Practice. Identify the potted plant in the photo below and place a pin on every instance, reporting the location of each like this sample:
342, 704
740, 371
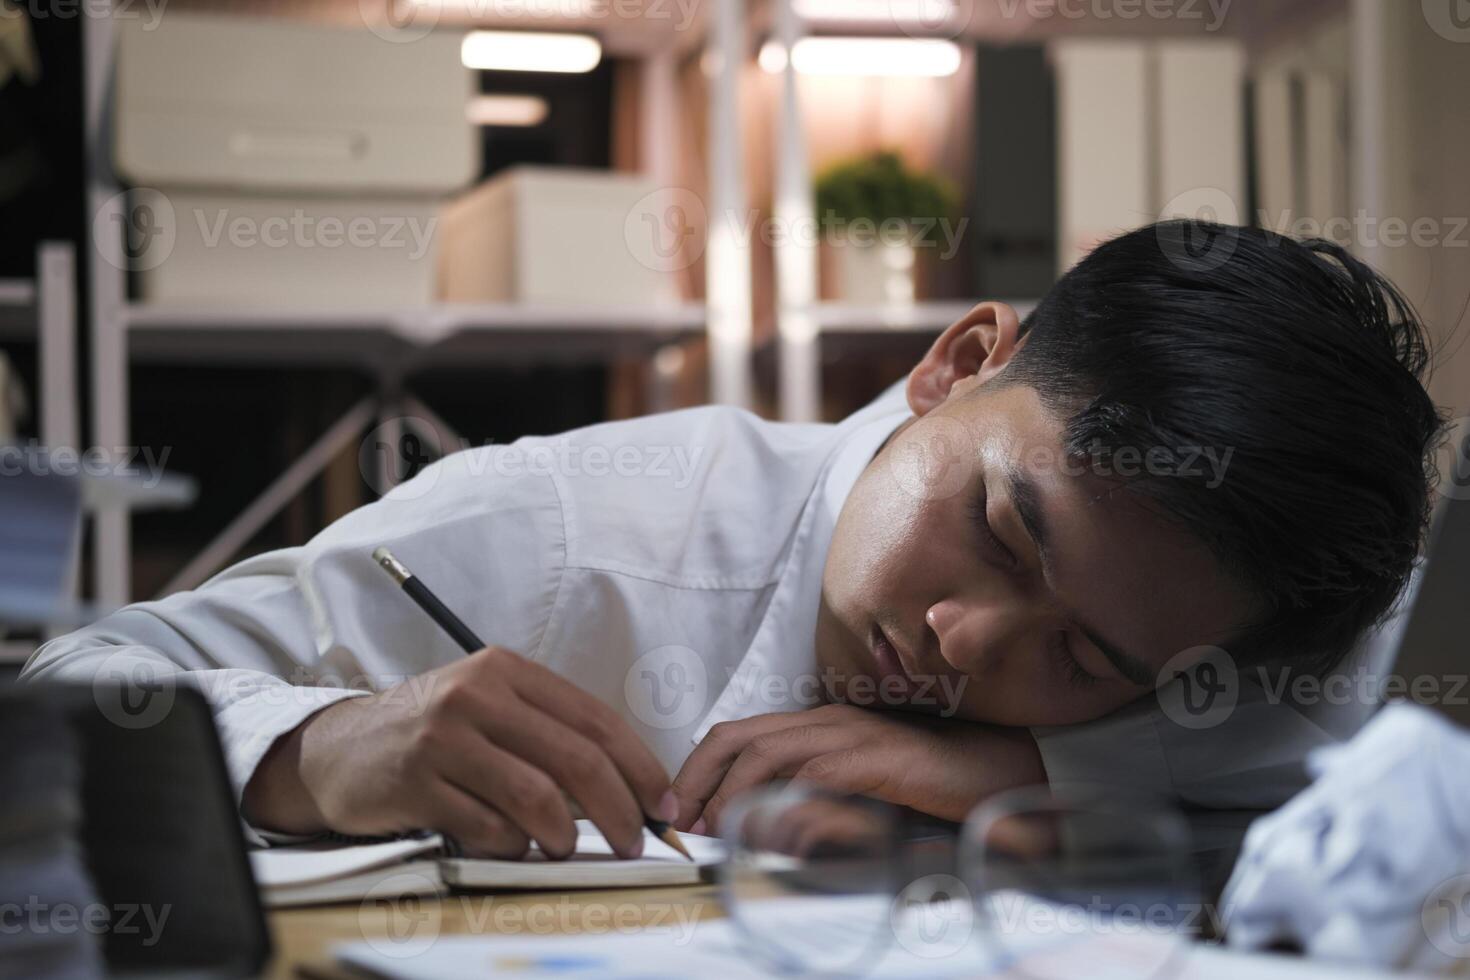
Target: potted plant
873, 211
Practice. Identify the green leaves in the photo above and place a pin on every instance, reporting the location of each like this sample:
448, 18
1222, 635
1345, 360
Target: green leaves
881, 188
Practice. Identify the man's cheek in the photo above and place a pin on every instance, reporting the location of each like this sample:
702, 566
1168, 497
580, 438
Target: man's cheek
950, 693
975, 704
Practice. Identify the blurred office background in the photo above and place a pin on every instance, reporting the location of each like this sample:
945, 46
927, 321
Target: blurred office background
301, 246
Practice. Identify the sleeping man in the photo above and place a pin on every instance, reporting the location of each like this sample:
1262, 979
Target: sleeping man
1205, 442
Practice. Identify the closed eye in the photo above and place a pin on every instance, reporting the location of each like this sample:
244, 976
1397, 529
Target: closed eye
990, 542
1067, 663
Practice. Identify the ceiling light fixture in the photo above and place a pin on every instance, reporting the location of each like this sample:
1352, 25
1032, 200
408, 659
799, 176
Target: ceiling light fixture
506, 110
530, 51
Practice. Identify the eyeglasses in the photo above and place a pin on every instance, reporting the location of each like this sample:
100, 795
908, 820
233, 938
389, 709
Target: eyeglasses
1044, 882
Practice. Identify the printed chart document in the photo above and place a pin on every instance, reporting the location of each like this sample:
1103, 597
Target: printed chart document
908, 948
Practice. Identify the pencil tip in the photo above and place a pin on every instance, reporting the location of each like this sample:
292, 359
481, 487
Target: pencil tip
670, 836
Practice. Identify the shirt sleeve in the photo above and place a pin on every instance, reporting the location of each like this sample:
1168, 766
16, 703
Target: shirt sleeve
278, 637
1123, 751
1250, 757
1253, 759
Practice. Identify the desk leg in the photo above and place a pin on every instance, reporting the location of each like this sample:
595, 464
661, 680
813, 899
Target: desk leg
344, 432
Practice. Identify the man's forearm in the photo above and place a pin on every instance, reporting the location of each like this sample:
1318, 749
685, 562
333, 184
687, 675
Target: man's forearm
1003, 758
276, 798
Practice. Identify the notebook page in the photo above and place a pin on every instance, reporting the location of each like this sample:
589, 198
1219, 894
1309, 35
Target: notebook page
299, 864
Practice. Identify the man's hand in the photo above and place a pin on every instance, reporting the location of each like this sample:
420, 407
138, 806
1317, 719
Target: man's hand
486, 749
938, 766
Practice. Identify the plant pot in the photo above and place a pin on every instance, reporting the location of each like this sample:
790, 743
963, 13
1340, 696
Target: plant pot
875, 273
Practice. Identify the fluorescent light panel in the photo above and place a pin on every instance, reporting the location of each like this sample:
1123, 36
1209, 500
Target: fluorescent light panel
889, 56
545, 8
530, 51
506, 110
897, 12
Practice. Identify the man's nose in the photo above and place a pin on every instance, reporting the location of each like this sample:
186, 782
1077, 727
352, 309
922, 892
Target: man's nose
976, 637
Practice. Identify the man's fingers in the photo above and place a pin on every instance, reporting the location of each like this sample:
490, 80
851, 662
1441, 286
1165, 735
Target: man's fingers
769, 756
847, 829
562, 700
851, 771
479, 829
641, 772
848, 824
706, 766
518, 790
587, 773
576, 764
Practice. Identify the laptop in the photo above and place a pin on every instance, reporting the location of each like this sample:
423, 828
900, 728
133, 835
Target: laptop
1432, 663
157, 830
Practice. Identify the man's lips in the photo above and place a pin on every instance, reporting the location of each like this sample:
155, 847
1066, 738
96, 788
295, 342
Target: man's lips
911, 685
886, 655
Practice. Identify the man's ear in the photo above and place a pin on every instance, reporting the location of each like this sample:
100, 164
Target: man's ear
969, 352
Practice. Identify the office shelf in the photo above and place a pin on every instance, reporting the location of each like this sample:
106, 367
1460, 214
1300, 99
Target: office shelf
387, 344
424, 322
923, 317
396, 341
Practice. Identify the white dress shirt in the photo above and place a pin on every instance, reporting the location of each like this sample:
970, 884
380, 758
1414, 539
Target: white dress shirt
669, 565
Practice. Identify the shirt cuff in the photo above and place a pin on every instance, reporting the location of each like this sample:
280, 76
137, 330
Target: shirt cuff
1122, 751
249, 726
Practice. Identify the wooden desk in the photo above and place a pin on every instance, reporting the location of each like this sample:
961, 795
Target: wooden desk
303, 937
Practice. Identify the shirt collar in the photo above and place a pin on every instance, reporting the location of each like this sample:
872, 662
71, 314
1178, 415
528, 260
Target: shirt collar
779, 669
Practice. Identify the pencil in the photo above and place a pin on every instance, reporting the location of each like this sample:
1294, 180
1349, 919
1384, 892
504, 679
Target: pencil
470, 643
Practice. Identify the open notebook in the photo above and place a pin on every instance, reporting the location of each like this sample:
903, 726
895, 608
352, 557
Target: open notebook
316, 873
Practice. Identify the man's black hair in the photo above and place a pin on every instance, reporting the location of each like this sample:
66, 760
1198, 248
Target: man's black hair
1294, 355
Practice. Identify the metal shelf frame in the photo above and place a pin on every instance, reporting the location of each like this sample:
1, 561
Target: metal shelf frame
43, 309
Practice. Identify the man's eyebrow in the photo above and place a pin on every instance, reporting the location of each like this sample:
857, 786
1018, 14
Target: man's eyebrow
1027, 501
